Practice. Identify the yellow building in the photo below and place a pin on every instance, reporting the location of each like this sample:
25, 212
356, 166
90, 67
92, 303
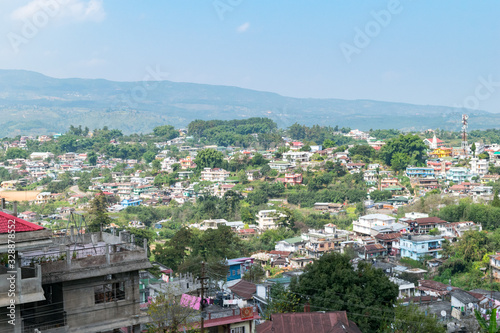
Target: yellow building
441, 152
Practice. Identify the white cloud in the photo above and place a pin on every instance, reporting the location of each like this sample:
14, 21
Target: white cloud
80, 10
243, 28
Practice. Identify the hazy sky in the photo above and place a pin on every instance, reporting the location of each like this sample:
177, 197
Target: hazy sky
423, 52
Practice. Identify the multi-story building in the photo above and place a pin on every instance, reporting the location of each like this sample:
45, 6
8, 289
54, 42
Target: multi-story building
441, 167
365, 224
268, 219
423, 172
425, 224
79, 283
293, 178
458, 175
214, 175
478, 166
417, 247
296, 156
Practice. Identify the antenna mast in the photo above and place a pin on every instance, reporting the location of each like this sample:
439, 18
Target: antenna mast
465, 145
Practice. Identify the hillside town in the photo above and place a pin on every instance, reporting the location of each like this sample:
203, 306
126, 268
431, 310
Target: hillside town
251, 228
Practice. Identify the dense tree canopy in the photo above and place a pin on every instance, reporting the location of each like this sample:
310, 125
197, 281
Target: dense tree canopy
332, 284
404, 150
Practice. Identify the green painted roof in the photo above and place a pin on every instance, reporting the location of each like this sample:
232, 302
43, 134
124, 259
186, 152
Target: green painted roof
293, 240
281, 280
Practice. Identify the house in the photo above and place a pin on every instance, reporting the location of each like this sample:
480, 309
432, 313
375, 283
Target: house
238, 267
62, 286
296, 157
406, 289
495, 266
417, 247
369, 251
290, 244
43, 198
457, 229
214, 175
317, 322
458, 175
280, 166
390, 241
433, 288
441, 152
425, 183
211, 224
479, 166
365, 223
244, 290
463, 302
293, 178
131, 202
425, 224
424, 172
268, 219
440, 167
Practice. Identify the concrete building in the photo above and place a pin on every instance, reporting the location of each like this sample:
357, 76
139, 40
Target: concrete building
214, 175
478, 166
423, 172
417, 247
79, 283
365, 223
459, 175
268, 219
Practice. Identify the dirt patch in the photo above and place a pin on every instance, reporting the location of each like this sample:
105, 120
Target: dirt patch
19, 195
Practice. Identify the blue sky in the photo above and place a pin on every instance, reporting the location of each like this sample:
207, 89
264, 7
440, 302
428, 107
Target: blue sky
422, 52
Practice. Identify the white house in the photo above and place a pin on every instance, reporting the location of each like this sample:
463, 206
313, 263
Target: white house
267, 219
365, 224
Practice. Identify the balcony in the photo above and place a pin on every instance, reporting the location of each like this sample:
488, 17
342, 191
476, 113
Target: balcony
28, 285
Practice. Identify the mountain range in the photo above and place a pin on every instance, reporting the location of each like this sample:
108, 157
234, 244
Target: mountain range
32, 103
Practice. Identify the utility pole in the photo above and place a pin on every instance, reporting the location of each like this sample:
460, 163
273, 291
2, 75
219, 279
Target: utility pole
202, 292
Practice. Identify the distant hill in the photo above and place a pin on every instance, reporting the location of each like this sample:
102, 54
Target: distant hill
32, 103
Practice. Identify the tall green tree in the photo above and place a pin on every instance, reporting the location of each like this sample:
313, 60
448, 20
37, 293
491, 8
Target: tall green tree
209, 158
410, 319
98, 213
331, 283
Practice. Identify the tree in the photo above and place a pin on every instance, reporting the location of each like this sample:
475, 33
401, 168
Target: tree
410, 319
379, 196
473, 148
92, 158
331, 283
98, 213
281, 301
242, 177
14, 153
496, 200
169, 315
166, 132
254, 274
149, 156
487, 326
410, 149
156, 164
209, 158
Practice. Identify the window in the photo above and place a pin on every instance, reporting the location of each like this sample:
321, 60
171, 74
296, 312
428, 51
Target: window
240, 329
109, 292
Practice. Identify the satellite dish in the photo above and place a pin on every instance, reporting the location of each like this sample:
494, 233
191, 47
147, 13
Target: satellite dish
449, 288
443, 313
470, 305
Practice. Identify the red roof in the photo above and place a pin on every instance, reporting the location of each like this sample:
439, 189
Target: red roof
244, 289
329, 322
20, 224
